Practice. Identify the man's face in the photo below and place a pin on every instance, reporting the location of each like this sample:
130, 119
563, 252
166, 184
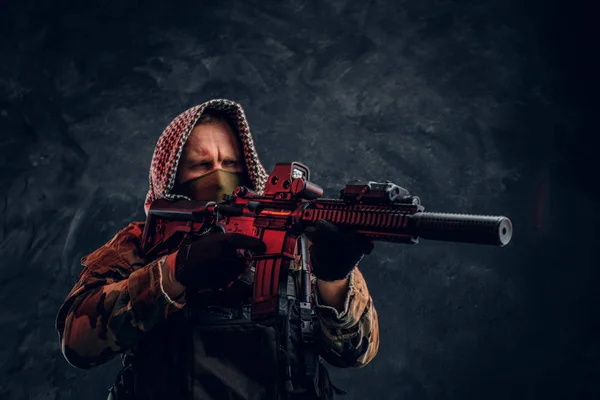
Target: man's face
210, 146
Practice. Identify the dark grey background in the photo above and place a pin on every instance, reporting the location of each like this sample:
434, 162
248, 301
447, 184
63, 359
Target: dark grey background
479, 107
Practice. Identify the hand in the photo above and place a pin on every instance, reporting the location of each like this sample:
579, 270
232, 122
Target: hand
212, 262
335, 251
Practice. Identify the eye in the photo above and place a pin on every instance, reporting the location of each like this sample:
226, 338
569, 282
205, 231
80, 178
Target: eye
202, 165
230, 163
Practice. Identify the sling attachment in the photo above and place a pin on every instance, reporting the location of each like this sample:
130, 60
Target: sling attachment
315, 370
307, 314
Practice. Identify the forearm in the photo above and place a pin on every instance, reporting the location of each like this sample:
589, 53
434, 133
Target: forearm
103, 317
333, 293
349, 333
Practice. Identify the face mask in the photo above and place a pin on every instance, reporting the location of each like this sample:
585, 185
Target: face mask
210, 187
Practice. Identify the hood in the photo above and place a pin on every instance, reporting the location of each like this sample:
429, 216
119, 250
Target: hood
167, 153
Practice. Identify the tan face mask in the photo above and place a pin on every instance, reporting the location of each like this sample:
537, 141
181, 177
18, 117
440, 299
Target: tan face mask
210, 187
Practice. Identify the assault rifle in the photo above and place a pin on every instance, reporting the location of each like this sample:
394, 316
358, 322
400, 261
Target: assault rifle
381, 211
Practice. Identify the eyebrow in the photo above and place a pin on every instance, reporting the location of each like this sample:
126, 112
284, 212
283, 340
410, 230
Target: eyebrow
200, 160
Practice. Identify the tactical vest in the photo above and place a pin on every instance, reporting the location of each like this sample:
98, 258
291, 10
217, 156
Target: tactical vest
212, 350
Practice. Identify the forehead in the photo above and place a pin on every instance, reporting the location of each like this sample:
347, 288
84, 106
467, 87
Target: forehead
211, 138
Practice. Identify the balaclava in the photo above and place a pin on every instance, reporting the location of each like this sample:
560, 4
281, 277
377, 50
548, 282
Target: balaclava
211, 186
168, 150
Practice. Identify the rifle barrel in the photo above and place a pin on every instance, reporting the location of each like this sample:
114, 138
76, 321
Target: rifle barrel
479, 229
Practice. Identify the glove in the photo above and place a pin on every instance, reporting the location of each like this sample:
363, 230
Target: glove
335, 251
212, 262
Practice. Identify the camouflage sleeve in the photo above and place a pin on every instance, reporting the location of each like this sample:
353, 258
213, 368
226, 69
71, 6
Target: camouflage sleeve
116, 300
350, 338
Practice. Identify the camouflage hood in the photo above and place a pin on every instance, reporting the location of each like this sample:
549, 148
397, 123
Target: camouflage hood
167, 153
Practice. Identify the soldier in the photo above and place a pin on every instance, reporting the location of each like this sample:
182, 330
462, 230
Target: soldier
181, 321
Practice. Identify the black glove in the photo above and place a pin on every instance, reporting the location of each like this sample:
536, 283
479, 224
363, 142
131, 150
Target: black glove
212, 261
335, 251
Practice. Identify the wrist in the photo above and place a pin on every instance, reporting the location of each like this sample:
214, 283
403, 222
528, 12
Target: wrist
333, 293
172, 286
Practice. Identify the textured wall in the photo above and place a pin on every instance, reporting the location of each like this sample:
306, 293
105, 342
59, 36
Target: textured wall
474, 106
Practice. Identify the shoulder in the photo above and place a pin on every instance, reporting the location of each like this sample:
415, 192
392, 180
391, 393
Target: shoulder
127, 243
131, 233
124, 248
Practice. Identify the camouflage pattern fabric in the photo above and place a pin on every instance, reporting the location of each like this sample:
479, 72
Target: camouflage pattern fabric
118, 298
120, 295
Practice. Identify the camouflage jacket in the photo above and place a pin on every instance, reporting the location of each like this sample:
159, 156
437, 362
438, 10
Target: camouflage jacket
120, 296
